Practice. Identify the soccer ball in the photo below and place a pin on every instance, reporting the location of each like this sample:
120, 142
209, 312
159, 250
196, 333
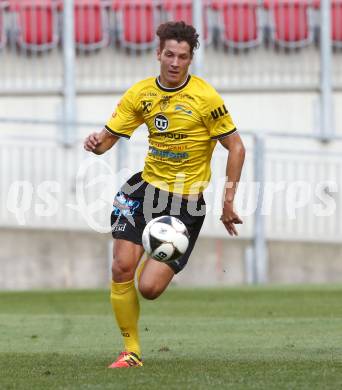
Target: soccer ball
165, 238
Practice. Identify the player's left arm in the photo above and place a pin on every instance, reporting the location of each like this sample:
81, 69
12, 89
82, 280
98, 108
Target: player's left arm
236, 158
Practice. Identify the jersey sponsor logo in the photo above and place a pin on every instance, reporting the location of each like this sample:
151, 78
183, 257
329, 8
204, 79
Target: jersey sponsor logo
174, 147
120, 227
219, 112
164, 102
161, 122
148, 94
179, 107
186, 96
172, 135
124, 205
168, 154
146, 106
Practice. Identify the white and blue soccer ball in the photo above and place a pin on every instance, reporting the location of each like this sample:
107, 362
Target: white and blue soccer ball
165, 238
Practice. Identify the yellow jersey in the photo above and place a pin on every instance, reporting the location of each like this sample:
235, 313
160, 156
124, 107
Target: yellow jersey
184, 124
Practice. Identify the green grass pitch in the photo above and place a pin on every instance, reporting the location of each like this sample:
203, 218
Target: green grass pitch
236, 338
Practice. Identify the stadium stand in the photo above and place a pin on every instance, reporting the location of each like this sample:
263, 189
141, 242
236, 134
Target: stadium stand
91, 25
239, 22
3, 39
336, 21
182, 10
232, 28
137, 22
36, 24
290, 22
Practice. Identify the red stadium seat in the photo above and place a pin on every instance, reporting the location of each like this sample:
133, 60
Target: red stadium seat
91, 30
37, 23
239, 22
182, 10
138, 20
336, 21
2, 25
290, 24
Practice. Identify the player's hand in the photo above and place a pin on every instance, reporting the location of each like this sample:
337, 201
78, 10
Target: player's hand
91, 142
229, 218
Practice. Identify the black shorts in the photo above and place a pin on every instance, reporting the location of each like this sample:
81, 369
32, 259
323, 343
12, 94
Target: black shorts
138, 202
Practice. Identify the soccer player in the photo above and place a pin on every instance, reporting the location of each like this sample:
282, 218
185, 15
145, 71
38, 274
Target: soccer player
185, 117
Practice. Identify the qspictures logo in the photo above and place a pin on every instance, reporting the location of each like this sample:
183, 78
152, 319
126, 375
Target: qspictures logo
95, 182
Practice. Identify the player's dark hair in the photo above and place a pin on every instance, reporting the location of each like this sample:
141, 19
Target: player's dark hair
179, 31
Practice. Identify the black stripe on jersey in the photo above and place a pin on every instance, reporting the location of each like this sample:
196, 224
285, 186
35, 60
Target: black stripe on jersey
173, 89
224, 134
117, 134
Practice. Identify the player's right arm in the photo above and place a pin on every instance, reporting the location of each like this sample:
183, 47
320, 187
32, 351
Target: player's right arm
99, 143
124, 120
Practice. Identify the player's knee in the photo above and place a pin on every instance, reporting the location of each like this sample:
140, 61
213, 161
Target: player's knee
121, 269
149, 291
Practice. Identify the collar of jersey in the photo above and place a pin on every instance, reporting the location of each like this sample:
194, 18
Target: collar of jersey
173, 89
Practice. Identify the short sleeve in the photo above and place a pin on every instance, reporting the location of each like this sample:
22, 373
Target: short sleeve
125, 119
217, 118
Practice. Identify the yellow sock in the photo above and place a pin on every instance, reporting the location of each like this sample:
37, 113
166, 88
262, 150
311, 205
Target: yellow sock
126, 308
140, 267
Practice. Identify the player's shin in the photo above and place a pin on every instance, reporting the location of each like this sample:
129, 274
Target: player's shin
126, 308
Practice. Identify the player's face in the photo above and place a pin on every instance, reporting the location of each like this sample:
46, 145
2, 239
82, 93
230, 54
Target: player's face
175, 59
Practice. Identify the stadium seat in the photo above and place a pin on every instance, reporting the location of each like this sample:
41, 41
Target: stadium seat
336, 21
290, 22
182, 10
91, 27
3, 5
138, 20
239, 22
36, 23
